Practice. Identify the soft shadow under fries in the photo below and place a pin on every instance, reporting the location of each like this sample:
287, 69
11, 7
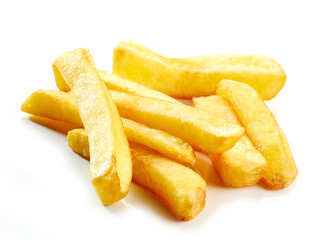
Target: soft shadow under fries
140, 197
58, 126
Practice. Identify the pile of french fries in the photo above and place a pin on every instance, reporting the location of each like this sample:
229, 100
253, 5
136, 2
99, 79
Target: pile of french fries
131, 127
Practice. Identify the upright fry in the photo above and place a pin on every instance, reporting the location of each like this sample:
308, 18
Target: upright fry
263, 130
110, 158
241, 165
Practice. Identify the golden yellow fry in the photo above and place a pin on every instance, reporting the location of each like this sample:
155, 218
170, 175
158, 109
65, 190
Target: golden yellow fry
110, 158
114, 82
179, 188
241, 165
53, 104
263, 130
60, 79
61, 106
168, 145
196, 76
199, 128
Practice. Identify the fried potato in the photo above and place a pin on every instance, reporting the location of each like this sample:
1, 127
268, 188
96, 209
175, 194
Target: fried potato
182, 190
166, 144
62, 106
114, 82
199, 128
60, 79
110, 158
196, 76
241, 165
53, 104
263, 130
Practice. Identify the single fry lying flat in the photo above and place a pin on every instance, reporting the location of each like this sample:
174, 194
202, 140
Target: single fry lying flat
199, 128
179, 188
263, 130
110, 158
114, 82
168, 145
241, 165
196, 76
62, 106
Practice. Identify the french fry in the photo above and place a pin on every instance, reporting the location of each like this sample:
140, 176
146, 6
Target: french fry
199, 128
241, 165
110, 158
263, 130
62, 106
168, 145
53, 104
196, 76
181, 190
113, 82
60, 79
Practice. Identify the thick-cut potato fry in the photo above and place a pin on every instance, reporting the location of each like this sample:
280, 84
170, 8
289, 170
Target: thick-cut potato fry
60, 80
110, 158
168, 145
199, 128
241, 165
263, 130
196, 76
53, 104
179, 188
61, 106
114, 82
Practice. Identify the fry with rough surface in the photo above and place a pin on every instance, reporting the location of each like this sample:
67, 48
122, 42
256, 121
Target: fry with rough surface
199, 128
114, 82
263, 130
62, 106
196, 76
181, 189
110, 158
242, 165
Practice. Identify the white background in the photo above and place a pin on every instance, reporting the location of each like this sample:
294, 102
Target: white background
45, 192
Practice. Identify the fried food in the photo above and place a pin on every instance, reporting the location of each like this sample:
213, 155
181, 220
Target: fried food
182, 190
113, 82
199, 128
110, 158
196, 76
242, 165
62, 106
263, 130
